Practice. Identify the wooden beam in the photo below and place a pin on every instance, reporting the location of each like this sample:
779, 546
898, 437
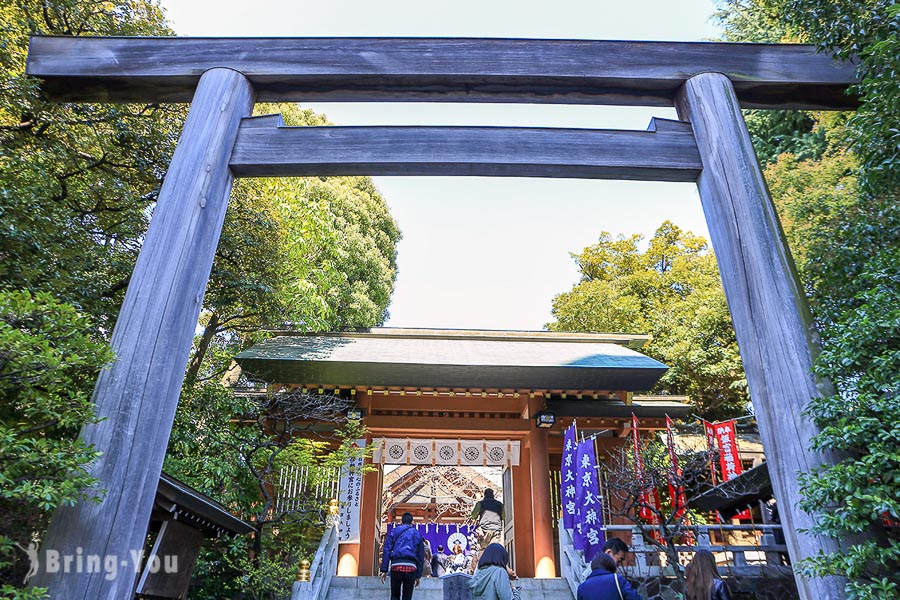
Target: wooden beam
615, 409
445, 69
666, 152
456, 404
137, 395
490, 429
774, 330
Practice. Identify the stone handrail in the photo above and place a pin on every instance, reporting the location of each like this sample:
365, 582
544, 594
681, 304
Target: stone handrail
769, 555
571, 561
323, 568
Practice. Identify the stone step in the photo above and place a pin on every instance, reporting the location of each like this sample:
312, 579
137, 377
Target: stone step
431, 588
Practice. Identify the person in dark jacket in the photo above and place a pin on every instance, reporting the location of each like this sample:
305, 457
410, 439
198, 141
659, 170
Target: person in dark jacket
617, 549
488, 516
439, 562
404, 553
604, 583
702, 581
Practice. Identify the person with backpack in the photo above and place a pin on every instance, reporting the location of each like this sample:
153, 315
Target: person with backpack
404, 556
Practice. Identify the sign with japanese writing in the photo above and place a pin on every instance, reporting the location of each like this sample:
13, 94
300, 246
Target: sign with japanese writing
729, 460
729, 457
588, 534
567, 478
351, 498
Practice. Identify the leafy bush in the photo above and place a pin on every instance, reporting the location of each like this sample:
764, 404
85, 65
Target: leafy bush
48, 365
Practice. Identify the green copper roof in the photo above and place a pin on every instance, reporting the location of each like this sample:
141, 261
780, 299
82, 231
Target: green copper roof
454, 358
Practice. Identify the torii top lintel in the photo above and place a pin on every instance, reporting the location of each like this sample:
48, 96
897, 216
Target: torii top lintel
167, 69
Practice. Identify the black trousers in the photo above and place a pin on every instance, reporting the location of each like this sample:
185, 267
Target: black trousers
402, 585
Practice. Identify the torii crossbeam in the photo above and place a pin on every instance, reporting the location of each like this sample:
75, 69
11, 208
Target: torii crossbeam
707, 82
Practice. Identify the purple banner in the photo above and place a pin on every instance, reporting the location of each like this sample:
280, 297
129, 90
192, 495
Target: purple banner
588, 512
567, 479
442, 534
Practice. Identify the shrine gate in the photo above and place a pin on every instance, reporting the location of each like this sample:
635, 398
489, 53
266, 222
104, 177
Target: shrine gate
480, 395
708, 83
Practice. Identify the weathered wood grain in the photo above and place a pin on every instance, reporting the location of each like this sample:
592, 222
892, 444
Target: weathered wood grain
669, 154
136, 397
774, 329
443, 69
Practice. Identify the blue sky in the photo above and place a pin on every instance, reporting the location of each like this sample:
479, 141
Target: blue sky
487, 253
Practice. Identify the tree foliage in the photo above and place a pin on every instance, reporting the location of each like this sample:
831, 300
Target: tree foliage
672, 291
78, 184
77, 181
48, 363
841, 216
308, 254
244, 442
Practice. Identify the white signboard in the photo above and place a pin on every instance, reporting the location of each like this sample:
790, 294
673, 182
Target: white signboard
351, 498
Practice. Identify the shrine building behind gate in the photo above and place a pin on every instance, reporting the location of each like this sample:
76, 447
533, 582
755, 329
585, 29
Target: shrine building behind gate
466, 397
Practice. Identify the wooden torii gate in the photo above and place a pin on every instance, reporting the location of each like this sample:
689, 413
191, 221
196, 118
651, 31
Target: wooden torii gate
708, 83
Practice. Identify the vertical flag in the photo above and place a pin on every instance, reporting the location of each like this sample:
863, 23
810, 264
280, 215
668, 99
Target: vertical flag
648, 499
589, 512
676, 492
729, 458
567, 478
710, 430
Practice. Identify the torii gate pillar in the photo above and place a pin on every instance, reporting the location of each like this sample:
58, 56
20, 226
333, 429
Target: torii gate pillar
152, 341
771, 319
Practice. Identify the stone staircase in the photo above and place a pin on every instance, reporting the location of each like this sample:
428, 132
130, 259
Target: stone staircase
431, 588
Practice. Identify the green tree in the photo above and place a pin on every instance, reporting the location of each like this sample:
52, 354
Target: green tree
77, 181
672, 291
841, 215
48, 362
304, 253
233, 447
78, 184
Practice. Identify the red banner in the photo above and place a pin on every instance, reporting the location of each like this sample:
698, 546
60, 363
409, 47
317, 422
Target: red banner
679, 502
711, 448
648, 500
729, 460
729, 457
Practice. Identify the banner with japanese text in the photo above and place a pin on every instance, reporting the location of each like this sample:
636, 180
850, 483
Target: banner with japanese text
588, 535
729, 460
729, 457
567, 478
351, 498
